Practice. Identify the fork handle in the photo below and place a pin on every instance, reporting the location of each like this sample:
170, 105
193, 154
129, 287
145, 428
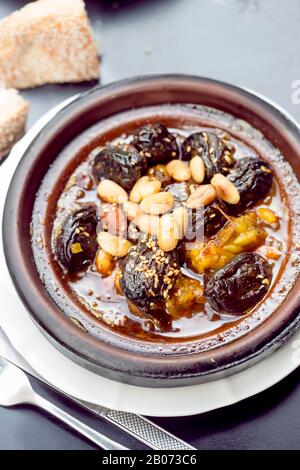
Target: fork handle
86, 431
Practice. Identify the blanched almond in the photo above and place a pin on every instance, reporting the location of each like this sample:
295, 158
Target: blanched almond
201, 196
168, 233
135, 192
144, 187
105, 263
117, 279
152, 187
148, 224
109, 191
112, 244
180, 215
197, 169
179, 170
132, 210
225, 189
158, 203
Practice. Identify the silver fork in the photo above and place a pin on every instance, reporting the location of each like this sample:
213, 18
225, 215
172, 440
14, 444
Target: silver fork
15, 389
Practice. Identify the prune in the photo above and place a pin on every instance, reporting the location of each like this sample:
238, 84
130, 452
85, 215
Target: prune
253, 179
156, 143
180, 191
239, 235
134, 234
76, 244
160, 173
214, 218
121, 164
215, 152
240, 285
148, 275
206, 221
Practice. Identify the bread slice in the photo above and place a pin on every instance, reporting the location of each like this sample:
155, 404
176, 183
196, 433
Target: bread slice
13, 116
47, 41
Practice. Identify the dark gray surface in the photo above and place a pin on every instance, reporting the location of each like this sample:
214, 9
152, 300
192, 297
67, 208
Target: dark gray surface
253, 43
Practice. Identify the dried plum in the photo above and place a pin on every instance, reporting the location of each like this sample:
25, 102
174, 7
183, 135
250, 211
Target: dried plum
180, 191
156, 143
76, 243
160, 173
214, 218
253, 179
121, 164
240, 285
134, 234
148, 275
215, 152
206, 221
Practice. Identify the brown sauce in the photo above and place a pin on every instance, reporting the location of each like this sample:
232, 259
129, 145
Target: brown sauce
96, 298
98, 294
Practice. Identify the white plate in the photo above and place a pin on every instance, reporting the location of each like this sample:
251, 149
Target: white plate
83, 384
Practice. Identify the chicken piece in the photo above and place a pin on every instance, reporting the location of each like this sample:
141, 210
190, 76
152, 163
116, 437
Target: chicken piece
239, 235
186, 297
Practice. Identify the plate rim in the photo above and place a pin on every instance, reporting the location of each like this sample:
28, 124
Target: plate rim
257, 337
12, 161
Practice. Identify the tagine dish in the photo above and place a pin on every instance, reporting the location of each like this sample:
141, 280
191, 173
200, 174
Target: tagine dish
168, 233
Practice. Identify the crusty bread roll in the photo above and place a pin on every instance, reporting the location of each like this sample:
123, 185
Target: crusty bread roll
13, 116
47, 41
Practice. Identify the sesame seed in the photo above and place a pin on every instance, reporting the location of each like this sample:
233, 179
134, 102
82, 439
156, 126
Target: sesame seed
265, 169
227, 158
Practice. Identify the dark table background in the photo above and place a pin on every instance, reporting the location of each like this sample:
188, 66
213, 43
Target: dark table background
253, 43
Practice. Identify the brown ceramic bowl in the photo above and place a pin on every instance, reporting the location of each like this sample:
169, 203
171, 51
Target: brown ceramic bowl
67, 133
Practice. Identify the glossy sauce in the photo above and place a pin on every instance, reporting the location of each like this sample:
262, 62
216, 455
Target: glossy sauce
98, 295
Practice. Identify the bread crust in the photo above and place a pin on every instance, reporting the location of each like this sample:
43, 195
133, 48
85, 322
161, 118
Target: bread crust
47, 41
13, 117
